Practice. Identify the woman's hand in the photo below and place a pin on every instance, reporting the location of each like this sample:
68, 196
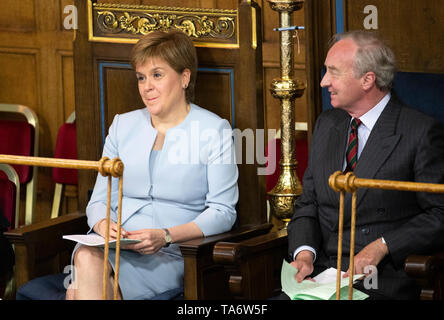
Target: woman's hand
100, 228
152, 240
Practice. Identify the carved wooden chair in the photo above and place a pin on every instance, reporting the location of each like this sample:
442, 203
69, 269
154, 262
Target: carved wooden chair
228, 83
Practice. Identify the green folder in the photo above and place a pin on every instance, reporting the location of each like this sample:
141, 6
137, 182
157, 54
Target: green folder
309, 290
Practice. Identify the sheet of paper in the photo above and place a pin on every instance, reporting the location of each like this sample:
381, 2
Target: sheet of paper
309, 290
329, 275
95, 240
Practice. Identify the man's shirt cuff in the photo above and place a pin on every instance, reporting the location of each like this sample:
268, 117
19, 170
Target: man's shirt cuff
301, 248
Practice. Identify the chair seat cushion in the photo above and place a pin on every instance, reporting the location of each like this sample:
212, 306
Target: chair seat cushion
51, 287
17, 138
7, 200
66, 148
43, 288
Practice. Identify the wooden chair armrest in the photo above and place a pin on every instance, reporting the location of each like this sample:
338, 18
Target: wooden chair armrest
229, 253
428, 271
37, 246
204, 279
44, 230
422, 266
253, 265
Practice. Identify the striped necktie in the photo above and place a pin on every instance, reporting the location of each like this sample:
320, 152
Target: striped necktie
352, 149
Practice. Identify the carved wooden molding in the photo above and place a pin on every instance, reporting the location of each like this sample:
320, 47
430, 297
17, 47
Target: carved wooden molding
117, 23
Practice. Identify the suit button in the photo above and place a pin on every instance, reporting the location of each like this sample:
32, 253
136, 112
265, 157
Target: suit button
365, 230
380, 210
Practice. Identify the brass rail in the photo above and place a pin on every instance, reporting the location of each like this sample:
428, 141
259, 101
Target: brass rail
106, 167
348, 182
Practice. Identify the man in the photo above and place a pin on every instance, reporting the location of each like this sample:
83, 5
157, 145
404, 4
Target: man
370, 132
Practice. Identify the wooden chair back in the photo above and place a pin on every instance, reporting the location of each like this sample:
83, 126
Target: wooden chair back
229, 80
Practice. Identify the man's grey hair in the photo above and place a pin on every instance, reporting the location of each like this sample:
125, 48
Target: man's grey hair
373, 55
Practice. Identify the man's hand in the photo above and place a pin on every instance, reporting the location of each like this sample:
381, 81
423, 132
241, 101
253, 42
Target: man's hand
304, 264
372, 254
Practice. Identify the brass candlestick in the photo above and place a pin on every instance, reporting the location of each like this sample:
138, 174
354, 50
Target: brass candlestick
288, 187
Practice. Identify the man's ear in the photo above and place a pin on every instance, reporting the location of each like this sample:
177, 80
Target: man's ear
368, 80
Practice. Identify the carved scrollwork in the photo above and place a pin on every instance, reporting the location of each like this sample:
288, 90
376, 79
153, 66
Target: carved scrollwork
193, 26
128, 23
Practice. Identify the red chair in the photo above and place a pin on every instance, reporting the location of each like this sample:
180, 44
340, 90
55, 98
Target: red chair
9, 207
66, 148
18, 137
9, 194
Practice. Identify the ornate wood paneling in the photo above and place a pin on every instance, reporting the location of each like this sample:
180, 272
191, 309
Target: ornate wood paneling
37, 71
19, 66
66, 92
122, 23
17, 15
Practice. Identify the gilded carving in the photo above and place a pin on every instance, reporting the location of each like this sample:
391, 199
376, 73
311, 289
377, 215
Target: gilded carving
125, 22
288, 187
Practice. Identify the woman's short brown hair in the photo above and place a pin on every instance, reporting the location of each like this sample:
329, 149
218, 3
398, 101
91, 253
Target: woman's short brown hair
175, 47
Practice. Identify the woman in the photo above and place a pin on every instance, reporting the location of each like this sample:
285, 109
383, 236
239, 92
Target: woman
179, 182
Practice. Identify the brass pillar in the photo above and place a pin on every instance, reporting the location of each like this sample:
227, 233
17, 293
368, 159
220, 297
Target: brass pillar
288, 187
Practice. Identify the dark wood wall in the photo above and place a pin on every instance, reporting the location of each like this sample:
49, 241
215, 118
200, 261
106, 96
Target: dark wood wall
36, 64
413, 29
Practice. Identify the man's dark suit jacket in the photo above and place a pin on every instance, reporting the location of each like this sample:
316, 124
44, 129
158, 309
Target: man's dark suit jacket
404, 145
